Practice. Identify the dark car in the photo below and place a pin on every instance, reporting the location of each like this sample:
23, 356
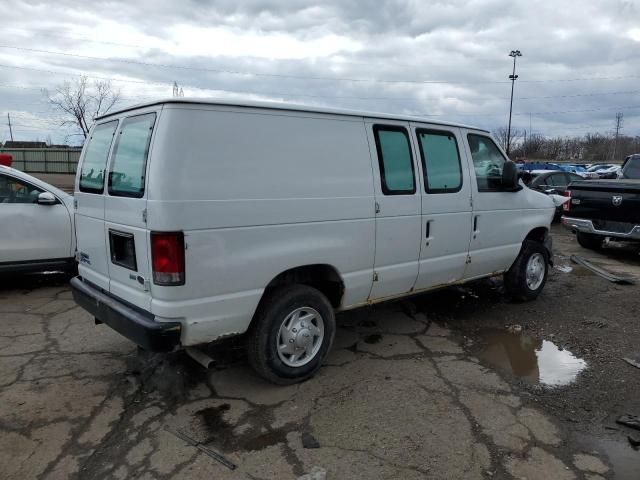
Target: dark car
553, 182
606, 208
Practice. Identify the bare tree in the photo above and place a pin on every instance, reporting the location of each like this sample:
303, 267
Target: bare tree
501, 135
82, 102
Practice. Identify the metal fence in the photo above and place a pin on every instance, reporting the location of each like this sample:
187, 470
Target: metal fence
44, 160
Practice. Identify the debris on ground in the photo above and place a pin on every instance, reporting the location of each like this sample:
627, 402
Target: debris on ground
514, 328
607, 275
316, 473
563, 268
309, 441
632, 421
631, 362
207, 451
633, 441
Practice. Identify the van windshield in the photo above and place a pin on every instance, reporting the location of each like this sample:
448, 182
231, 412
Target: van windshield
95, 158
128, 165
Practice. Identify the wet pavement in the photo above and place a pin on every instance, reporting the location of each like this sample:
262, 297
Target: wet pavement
442, 386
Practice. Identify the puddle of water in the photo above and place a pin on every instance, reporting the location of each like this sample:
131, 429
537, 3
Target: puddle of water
624, 460
536, 361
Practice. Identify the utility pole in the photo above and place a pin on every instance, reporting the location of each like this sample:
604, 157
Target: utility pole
619, 117
512, 77
10, 130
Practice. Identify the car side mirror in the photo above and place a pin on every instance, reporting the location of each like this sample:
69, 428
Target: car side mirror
47, 198
510, 176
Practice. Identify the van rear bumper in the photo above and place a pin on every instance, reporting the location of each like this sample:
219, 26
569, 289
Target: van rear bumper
137, 325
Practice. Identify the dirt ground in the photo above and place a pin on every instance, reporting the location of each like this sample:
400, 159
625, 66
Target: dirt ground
413, 389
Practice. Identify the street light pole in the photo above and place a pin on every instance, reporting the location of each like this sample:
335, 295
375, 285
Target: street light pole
512, 77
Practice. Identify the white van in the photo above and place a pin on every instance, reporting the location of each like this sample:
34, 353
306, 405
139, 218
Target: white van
198, 220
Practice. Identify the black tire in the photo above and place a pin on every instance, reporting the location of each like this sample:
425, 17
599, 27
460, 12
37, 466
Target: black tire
515, 280
589, 240
262, 338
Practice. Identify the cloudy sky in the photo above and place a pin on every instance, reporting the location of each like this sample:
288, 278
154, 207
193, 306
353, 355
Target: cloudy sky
446, 60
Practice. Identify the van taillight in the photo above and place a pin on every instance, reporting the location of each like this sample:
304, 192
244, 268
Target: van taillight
566, 206
167, 258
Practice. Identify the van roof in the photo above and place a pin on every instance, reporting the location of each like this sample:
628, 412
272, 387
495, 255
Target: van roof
288, 106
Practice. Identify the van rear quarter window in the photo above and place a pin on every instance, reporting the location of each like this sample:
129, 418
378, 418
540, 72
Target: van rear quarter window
128, 165
95, 158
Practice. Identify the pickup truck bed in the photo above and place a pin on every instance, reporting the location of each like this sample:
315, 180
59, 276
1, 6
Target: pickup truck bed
607, 208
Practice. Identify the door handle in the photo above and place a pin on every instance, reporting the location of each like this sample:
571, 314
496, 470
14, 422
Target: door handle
427, 232
475, 226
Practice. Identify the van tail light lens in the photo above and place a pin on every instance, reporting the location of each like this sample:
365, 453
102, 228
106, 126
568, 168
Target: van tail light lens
167, 258
566, 206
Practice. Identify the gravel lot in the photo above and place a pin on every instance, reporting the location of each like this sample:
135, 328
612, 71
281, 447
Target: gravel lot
408, 391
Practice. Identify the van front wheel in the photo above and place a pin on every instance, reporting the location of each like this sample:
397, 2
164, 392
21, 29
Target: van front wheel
291, 334
528, 274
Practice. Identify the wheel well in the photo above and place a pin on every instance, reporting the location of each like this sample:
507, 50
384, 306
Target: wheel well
538, 234
322, 277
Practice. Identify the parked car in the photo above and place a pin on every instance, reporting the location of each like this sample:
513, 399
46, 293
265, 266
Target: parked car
609, 172
200, 220
530, 166
577, 169
553, 183
37, 230
605, 208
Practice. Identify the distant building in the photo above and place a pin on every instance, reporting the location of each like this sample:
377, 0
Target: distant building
17, 144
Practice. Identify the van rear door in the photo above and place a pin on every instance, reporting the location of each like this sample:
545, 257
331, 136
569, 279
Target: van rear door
125, 232
89, 199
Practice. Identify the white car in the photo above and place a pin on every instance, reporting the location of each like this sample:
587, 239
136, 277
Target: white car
199, 220
37, 224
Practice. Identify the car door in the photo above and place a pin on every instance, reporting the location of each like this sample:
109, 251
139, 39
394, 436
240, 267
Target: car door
125, 203
89, 197
398, 220
31, 231
500, 221
446, 205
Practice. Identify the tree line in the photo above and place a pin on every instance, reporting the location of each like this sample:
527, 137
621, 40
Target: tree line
590, 148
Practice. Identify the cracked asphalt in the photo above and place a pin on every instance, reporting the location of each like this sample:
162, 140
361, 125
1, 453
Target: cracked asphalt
398, 397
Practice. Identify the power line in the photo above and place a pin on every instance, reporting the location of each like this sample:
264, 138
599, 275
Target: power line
628, 92
302, 77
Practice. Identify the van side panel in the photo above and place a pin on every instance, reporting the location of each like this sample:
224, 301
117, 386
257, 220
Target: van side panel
257, 192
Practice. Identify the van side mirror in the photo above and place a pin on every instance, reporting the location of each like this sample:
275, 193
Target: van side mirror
510, 176
46, 198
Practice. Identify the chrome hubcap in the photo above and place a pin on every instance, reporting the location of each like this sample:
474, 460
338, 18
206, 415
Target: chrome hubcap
300, 336
535, 271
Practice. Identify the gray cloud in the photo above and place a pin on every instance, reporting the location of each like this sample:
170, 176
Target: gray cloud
299, 50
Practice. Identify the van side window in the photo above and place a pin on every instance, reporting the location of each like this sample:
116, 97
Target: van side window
440, 161
95, 158
129, 163
394, 157
488, 162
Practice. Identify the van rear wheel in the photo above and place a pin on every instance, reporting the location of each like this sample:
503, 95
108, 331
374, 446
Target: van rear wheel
528, 274
291, 334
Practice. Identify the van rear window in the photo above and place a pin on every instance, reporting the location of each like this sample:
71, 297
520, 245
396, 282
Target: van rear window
95, 158
129, 161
